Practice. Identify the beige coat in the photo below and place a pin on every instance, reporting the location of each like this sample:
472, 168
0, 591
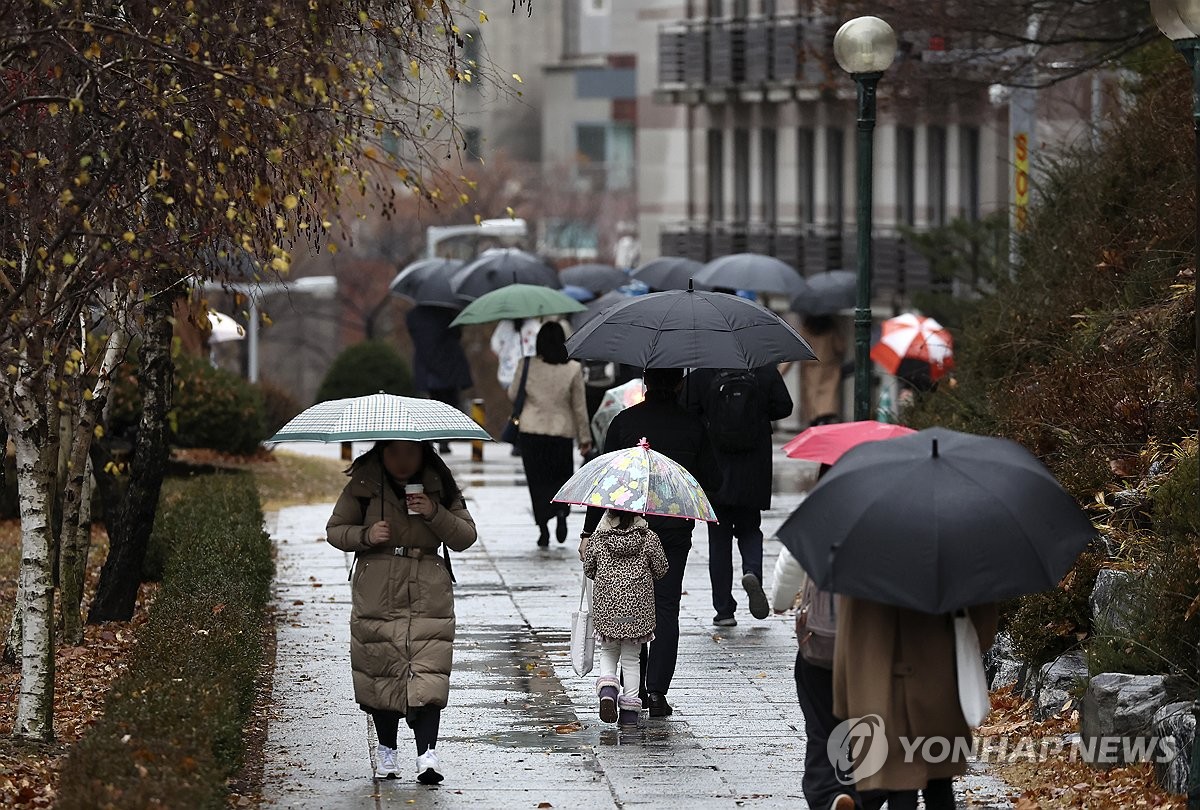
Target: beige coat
555, 404
821, 380
899, 664
402, 615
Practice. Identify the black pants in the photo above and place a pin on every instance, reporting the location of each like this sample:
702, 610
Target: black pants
423, 720
814, 689
938, 794
548, 465
658, 662
744, 523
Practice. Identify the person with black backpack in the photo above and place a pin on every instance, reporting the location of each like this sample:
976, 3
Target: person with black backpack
738, 406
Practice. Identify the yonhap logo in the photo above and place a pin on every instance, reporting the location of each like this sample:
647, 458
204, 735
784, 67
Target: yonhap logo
857, 748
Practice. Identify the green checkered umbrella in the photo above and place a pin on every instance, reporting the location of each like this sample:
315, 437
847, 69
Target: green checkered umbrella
378, 417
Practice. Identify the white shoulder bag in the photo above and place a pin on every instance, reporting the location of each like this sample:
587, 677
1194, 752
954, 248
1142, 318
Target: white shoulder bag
973, 693
583, 633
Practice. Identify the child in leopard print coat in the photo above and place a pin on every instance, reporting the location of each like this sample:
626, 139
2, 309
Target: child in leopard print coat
623, 557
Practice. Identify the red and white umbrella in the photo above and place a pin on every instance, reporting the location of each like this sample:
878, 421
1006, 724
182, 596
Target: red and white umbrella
914, 337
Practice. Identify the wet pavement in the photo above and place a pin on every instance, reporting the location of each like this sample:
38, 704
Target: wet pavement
521, 729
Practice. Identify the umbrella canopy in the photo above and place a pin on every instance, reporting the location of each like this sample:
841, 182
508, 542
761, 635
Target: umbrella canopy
378, 417
599, 278
580, 294
224, 328
638, 479
500, 267
596, 306
827, 293
936, 521
517, 301
614, 401
688, 329
752, 271
914, 337
427, 283
827, 443
668, 273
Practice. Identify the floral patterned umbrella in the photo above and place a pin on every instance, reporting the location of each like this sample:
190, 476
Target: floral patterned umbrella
641, 480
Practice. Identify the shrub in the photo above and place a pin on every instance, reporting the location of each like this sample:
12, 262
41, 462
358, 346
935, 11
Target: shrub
171, 733
279, 406
366, 368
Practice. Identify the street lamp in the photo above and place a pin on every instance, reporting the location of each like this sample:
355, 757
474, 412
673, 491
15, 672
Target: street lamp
1180, 21
865, 48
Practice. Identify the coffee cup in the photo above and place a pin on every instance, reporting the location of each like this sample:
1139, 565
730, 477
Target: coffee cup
413, 489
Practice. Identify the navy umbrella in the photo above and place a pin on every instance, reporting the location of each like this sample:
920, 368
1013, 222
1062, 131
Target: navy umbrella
752, 271
668, 273
427, 283
827, 293
599, 278
688, 329
500, 267
936, 521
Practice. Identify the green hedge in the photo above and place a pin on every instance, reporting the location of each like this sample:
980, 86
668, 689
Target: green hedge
171, 733
366, 368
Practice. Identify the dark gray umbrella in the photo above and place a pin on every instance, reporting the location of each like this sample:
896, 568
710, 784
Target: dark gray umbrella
596, 306
668, 273
827, 293
752, 271
427, 283
688, 329
599, 278
936, 521
498, 268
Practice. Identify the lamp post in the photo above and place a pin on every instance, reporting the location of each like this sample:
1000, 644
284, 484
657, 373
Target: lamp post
865, 48
1180, 21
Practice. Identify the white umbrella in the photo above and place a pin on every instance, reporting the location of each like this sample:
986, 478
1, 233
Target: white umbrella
224, 328
379, 417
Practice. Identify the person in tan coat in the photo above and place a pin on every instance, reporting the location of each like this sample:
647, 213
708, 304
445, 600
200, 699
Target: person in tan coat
554, 416
821, 380
402, 614
899, 664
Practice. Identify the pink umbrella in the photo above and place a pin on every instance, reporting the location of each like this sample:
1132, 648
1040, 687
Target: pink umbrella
827, 443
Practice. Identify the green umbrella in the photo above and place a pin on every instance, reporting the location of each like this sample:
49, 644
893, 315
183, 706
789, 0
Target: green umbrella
517, 301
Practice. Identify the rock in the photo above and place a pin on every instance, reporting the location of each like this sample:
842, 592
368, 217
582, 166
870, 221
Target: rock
1175, 726
1117, 710
1001, 664
1110, 603
1056, 681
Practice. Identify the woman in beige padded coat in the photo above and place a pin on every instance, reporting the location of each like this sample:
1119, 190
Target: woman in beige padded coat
402, 616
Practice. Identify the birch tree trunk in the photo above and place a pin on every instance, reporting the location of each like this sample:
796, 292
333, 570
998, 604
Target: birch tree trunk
121, 576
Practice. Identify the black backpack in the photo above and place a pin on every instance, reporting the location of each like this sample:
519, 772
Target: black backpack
734, 411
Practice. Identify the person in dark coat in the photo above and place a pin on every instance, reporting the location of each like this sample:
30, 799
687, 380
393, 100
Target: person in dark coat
681, 437
440, 367
746, 491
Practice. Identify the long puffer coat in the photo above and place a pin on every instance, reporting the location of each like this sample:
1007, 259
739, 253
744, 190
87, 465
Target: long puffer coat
624, 564
402, 618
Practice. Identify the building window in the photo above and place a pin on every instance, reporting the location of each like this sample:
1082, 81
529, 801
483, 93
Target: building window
741, 175
604, 155
472, 143
906, 177
741, 9
969, 147
937, 175
835, 177
716, 175
768, 147
472, 58
806, 160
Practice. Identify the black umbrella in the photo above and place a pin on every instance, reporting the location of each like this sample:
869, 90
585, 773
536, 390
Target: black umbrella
595, 307
599, 278
500, 267
827, 293
668, 273
752, 271
688, 329
427, 283
936, 521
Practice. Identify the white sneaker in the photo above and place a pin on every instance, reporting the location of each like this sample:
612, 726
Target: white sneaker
429, 769
385, 763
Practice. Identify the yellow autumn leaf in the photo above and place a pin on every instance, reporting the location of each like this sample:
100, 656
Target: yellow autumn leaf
511, 213
517, 76
93, 51
128, 236
290, 202
483, 17
414, 69
478, 219
438, 114
262, 195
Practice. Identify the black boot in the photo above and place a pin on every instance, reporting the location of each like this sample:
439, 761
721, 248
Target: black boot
543, 535
560, 530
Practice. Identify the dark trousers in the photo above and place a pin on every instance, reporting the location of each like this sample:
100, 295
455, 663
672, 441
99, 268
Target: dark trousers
814, 689
938, 795
548, 464
744, 523
658, 662
425, 721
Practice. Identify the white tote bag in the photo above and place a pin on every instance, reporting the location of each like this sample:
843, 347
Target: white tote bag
583, 633
972, 682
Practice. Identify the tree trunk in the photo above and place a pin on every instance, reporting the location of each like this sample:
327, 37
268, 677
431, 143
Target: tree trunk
116, 594
37, 451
